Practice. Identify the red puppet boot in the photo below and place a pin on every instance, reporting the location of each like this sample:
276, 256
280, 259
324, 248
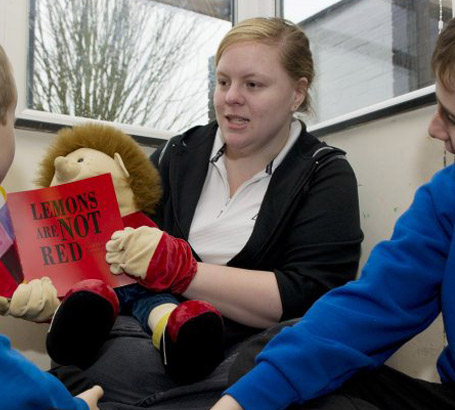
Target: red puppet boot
82, 323
191, 345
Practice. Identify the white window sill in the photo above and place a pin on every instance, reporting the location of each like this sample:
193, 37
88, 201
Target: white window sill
49, 122
405, 102
44, 121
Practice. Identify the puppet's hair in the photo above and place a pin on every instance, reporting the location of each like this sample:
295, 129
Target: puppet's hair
144, 178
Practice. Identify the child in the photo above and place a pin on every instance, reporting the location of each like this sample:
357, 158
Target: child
22, 385
340, 345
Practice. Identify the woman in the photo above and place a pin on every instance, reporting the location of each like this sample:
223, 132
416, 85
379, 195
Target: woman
270, 211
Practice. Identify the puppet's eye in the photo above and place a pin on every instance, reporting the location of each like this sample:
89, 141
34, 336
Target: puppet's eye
80, 160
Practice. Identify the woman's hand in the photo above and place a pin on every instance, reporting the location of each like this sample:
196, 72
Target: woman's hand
227, 403
92, 396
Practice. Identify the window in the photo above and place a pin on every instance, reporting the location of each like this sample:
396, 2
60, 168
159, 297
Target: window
140, 62
367, 51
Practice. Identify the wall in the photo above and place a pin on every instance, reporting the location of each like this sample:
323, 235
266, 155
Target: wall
391, 158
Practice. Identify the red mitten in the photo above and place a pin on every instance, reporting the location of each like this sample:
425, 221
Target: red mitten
159, 261
82, 323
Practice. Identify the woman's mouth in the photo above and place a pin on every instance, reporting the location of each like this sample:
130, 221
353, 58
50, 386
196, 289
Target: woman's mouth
237, 120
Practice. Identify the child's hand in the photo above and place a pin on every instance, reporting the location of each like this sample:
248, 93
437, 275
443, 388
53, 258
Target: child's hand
92, 396
227, 403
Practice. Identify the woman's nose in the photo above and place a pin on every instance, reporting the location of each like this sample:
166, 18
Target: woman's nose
234, 95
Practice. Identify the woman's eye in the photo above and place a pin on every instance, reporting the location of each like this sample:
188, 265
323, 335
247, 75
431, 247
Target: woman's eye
80, 160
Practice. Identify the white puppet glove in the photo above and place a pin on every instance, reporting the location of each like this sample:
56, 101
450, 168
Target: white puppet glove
159, 261
130, 250
35, 301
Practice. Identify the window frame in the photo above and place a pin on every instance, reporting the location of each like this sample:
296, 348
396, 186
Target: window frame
405, 102
14, 38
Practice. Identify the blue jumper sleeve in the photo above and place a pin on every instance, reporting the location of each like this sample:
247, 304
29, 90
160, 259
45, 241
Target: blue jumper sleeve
24, 386
361, 324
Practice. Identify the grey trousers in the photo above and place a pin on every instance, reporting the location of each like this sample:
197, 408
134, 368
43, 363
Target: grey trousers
132, 375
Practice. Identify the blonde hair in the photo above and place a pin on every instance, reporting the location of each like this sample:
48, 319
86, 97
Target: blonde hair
443, 59
7, 86
293, 44
144, 179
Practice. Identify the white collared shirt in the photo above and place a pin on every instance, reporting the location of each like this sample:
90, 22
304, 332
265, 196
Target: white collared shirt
222, 225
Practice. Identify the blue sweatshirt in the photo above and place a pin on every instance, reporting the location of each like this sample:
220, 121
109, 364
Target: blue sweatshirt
25, 387
404, 285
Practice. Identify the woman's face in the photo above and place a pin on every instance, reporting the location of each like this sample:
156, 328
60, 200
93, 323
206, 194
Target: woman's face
255, 97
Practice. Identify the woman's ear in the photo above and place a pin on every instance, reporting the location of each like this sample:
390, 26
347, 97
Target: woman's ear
119, 161
300, 93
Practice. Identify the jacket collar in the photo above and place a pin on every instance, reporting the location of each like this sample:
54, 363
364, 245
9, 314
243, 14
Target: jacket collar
190, 161
288, 181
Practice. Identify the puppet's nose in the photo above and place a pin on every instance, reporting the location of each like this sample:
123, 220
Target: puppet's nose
65, 171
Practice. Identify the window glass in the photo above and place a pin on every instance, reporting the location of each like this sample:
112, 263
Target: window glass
138, 62
366, 51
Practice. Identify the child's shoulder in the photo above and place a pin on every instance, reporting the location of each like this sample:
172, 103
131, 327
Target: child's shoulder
445, 178
441, 190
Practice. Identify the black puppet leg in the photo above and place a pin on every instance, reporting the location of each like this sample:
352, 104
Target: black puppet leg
82, 323
192, 342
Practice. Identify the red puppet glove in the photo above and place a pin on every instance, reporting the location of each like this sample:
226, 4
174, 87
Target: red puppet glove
160, 261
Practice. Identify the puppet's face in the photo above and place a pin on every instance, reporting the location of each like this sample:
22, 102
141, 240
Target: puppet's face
87, 162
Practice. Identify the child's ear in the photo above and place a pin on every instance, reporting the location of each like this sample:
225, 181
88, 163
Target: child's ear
118, 160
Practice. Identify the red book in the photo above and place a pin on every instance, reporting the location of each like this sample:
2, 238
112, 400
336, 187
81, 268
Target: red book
10, 268
61, 232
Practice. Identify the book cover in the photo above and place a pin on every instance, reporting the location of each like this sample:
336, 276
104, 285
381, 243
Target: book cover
10, 269
61, 231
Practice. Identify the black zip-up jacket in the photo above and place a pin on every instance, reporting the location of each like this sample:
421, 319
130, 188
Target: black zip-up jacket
308, 229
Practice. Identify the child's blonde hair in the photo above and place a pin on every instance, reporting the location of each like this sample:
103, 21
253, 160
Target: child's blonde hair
7, 86
443, 60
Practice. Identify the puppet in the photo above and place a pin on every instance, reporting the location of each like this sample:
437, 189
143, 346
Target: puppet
188, 333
